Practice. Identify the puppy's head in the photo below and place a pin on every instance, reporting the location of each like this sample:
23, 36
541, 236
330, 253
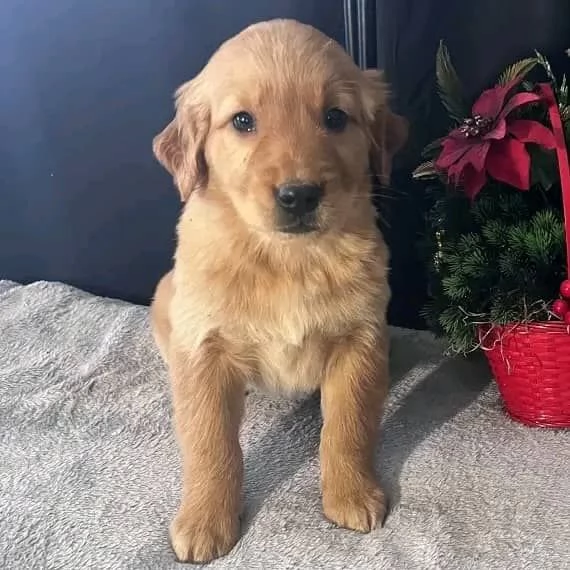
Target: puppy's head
282, 125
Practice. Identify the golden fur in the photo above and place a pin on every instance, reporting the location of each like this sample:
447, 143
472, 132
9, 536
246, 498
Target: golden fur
248, 303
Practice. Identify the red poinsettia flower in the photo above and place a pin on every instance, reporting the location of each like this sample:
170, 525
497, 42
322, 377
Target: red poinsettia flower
492, 142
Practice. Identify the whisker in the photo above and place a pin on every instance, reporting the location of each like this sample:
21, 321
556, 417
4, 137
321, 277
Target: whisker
372, 197
383, 220
384, 197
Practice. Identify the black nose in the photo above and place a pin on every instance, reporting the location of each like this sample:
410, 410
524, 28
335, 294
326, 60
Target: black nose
298, 198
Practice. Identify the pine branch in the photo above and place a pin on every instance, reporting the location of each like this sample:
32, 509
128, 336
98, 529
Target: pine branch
494, 232
516, 237
455, 288
476, 264
449, 86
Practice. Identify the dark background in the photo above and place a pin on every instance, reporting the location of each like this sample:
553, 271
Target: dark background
84, 87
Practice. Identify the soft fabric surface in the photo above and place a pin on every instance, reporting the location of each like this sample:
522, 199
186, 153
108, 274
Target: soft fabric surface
89, 472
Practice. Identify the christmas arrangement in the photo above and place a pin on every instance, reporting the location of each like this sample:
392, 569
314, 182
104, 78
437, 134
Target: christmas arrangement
497, 239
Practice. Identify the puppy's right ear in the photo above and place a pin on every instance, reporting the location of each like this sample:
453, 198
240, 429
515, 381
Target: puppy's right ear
388, 132
180, 146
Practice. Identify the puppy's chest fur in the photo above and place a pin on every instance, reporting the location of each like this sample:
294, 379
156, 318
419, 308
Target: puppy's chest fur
292, 338
285, 321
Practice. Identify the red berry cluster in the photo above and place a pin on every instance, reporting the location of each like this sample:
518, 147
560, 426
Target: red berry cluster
561, 307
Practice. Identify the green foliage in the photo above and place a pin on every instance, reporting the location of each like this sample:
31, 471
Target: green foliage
449, 86
500, 259
519, 69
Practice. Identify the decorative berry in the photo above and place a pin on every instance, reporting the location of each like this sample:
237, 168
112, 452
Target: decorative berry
560, 308
565, 289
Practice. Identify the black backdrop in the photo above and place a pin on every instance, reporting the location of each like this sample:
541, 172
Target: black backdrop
84, 86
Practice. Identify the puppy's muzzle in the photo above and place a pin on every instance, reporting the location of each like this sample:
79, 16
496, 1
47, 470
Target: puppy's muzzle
297, 204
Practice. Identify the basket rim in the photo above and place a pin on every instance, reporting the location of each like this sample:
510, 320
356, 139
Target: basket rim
523, 327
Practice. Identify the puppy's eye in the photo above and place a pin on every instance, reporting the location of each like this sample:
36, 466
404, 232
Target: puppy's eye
335, 120
243, 122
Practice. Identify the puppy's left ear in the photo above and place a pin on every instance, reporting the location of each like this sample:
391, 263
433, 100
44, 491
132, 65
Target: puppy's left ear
388, 131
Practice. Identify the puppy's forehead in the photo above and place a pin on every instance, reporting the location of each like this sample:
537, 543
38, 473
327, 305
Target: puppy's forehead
279, 57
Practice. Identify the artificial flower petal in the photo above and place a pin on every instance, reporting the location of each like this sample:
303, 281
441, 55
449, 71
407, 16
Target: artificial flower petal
498, 132
528, 131
517, 101
452, 151
477, 155
473, 181
491, 101
454, 174
508, 161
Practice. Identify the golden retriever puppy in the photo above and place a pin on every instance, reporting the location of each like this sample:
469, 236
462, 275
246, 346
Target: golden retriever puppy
280, 273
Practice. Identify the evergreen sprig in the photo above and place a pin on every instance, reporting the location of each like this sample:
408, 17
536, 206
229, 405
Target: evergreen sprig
508, 258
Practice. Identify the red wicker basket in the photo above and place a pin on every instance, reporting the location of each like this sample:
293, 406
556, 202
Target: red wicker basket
531, 364
531, 361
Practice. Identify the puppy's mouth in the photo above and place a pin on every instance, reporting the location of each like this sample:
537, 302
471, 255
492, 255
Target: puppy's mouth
298, 225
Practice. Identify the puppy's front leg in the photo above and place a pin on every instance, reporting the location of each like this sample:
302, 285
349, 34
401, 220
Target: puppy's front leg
352, 396
208, 393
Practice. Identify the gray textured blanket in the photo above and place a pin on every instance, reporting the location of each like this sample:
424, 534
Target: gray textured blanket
89, 470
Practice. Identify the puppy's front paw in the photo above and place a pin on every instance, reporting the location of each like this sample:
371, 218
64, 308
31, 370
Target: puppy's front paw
355, 506
203, 536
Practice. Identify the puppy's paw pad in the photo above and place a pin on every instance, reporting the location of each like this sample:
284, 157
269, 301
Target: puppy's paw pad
203, 539
360, 509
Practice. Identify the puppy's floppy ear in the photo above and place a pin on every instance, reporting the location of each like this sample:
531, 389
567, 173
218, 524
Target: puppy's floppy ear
180, 146
388, 131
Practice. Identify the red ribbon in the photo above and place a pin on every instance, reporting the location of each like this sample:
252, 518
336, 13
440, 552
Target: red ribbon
562, 155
